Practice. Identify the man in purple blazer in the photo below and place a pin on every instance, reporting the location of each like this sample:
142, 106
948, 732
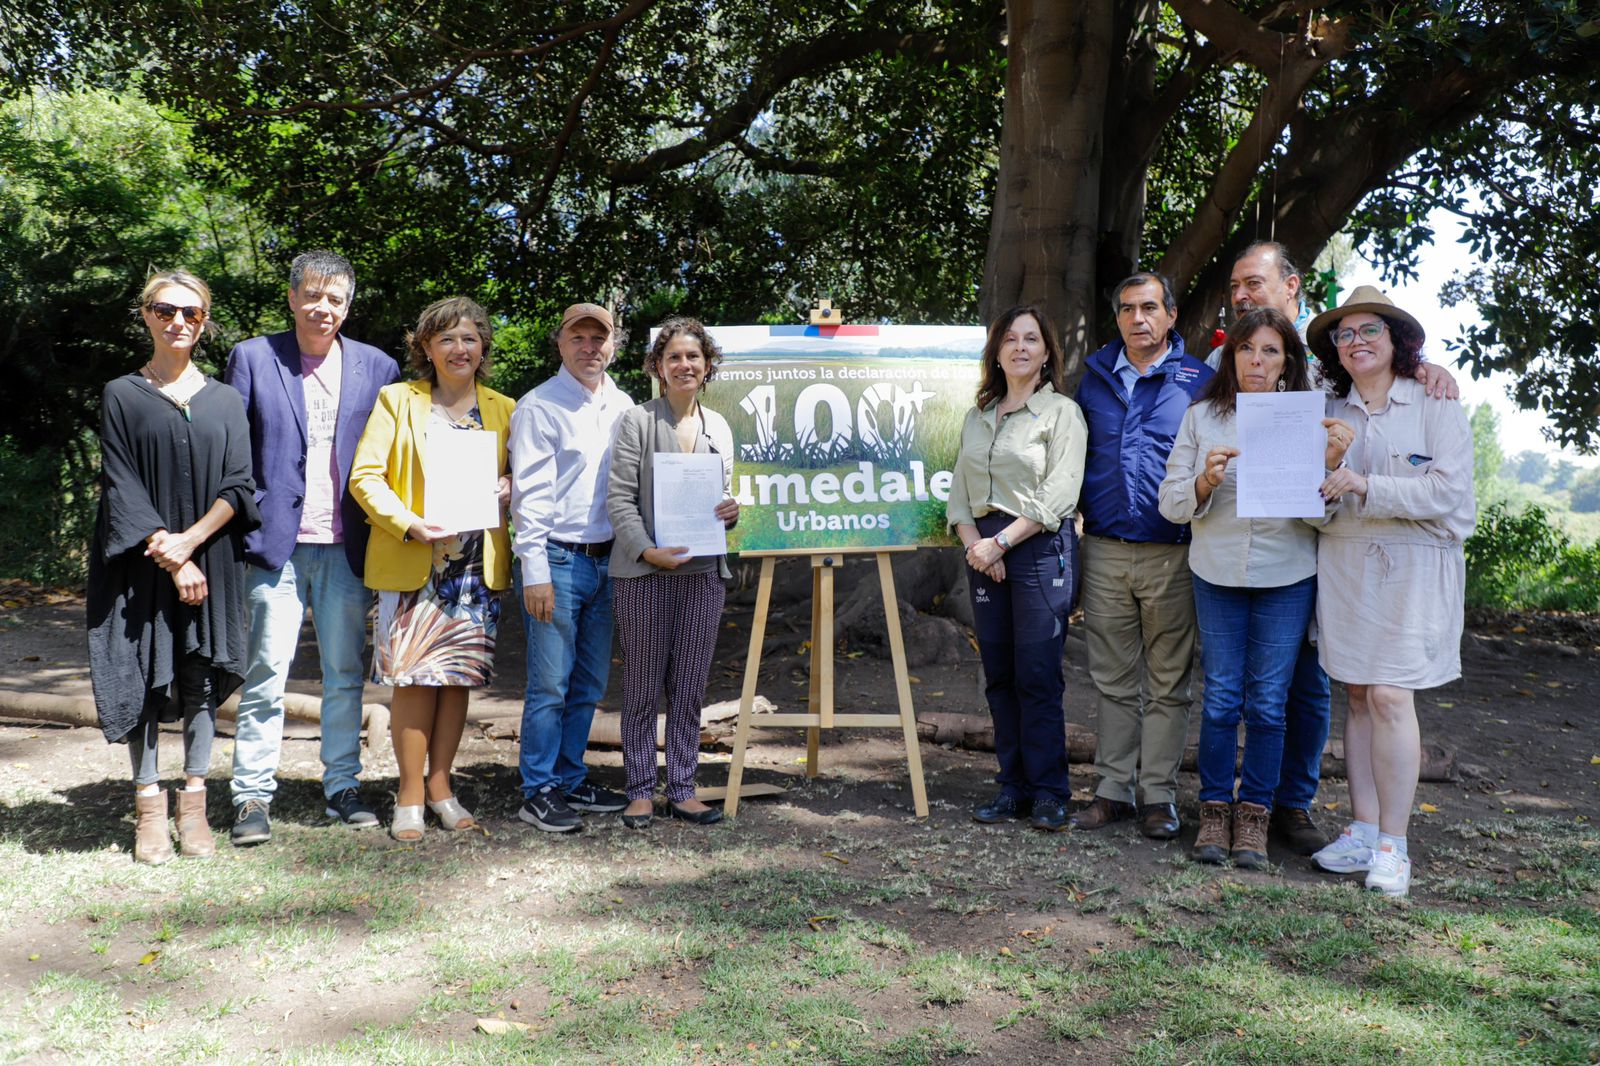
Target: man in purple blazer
307, 393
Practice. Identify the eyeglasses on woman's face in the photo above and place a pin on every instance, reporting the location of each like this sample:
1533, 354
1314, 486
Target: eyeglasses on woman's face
166, 312
1344, 336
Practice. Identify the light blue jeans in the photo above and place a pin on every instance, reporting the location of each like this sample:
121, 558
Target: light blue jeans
317, 576
569, 662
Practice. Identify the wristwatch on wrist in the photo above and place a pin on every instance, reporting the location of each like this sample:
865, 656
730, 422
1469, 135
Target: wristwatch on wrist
1000, 539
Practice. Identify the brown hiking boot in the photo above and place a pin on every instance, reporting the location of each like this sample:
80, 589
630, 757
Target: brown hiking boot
1294, 827
1216, 833
152, 836
194, 833
1250, 835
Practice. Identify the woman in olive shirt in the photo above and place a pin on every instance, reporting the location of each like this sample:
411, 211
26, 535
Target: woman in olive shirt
1012, 501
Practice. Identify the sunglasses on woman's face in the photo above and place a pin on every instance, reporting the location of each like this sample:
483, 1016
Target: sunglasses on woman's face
166, 312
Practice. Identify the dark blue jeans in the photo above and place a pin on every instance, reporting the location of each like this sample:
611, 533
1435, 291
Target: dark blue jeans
1305, 732
569, 662
1021, 624
1249, 641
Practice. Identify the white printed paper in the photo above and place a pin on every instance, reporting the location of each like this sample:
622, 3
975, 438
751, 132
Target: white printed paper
687, 491
1281, 452
460, 473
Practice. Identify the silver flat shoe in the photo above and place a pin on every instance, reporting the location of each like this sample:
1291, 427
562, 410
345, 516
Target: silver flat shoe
408, 821
452, 815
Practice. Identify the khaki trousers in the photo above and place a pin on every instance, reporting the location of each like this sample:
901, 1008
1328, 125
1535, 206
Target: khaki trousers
1138, 612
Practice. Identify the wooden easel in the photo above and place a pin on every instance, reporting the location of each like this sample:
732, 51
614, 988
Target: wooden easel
820, 700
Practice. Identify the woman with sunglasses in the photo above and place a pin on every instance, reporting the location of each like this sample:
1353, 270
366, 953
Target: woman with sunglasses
166, 568
1391, 572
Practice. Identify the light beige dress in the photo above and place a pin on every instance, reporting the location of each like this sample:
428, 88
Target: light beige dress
1391, 574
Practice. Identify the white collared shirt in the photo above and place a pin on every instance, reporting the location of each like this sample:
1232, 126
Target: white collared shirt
560, 454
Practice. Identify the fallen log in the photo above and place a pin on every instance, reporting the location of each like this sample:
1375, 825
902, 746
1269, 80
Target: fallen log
974, 732
717, 724
79, 710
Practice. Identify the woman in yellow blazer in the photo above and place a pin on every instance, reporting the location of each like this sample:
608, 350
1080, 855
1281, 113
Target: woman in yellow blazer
438, 586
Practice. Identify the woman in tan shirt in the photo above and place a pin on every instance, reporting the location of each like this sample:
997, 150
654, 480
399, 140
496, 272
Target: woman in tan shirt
1012, 501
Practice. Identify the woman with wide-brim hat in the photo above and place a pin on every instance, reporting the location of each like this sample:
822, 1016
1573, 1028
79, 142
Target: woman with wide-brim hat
1391, 572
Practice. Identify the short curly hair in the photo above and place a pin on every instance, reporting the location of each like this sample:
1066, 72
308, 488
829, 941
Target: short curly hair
435, 319
675, 327
1407, 356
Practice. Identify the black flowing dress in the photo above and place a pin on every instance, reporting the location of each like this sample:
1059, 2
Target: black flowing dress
162, 468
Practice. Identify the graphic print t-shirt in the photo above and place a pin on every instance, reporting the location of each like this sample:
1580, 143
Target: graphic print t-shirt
320, 522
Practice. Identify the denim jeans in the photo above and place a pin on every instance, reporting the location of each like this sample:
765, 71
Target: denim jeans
1249, 641
1305, 732
569, 661
317, 576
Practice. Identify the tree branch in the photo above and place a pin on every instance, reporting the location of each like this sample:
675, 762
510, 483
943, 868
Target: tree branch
798, 60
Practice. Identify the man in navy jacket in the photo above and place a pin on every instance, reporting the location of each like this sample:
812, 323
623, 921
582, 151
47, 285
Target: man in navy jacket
307, 393
1138, 603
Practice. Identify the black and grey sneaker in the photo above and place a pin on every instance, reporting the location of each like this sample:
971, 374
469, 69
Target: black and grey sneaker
346, 806
586, 797
548, 811
251, 826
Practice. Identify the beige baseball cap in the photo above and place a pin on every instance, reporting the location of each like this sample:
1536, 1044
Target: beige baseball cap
578, 312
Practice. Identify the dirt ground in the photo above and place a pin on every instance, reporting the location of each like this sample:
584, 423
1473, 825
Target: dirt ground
1521, 725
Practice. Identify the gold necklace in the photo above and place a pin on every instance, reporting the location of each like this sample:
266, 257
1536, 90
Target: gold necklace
162, 387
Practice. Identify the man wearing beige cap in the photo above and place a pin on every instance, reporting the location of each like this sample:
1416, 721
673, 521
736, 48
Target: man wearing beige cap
560, 443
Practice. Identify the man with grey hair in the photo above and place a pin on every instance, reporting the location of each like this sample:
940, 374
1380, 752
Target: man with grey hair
307, 393
1138, 601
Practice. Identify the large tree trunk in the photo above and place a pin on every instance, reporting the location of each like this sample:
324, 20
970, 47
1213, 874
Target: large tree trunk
1045, 230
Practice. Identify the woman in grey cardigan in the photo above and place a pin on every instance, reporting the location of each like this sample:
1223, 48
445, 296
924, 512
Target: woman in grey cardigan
668, 604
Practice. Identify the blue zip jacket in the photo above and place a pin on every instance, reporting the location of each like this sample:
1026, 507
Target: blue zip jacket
1129, 440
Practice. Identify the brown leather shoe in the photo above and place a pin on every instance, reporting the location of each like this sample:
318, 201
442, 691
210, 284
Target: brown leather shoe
194, 832
1101, 813
1159, 821
1250, 835
1216, 833
1294, 827
152, 834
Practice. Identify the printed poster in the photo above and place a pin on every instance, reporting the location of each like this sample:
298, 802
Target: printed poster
844, 436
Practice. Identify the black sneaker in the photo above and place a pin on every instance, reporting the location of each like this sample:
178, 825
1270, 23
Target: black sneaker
586, 797
1049, 815
347, 807
550, 812
1004, 806
251, 826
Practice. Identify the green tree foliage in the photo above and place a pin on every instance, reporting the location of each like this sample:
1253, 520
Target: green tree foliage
915, 159
94, 193
1520, 560
1486, 453
1586, 491
1528, 468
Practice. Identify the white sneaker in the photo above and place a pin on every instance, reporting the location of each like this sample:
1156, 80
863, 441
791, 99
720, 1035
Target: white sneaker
1346, 855
1390, 872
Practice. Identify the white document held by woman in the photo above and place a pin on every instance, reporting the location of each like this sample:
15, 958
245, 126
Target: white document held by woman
461, 471
688, 488
1281, 452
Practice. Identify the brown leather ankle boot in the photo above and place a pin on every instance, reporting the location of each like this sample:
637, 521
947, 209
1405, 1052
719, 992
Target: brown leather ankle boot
1250, 835
194, 833
1216, 833
152, 834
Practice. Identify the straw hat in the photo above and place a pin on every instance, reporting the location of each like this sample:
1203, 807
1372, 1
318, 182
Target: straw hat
1364, 298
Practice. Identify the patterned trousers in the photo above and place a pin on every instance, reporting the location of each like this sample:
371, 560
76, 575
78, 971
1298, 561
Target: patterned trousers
668, 623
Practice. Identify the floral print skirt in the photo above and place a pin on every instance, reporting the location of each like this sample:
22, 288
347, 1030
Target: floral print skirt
442, 633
